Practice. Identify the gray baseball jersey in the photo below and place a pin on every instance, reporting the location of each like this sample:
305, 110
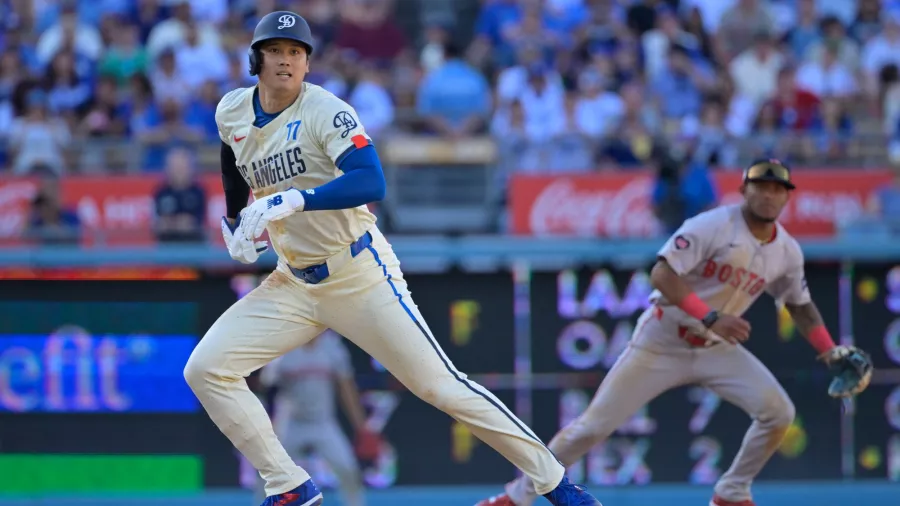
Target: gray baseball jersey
729, 268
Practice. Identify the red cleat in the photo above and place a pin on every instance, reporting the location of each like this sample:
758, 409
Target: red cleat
718, 501
497, 500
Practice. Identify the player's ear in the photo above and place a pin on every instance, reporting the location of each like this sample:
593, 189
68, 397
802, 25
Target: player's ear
742, 189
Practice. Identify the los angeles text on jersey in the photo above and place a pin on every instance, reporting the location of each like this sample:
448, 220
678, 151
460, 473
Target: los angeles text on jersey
274, 169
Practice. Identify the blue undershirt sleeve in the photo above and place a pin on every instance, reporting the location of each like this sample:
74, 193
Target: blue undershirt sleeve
362, 182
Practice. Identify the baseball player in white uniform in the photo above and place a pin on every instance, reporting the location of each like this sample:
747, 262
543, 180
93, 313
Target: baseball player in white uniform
304, 413
312, 169
707, 275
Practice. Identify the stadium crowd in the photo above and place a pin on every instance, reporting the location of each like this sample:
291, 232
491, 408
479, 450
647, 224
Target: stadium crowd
560, 85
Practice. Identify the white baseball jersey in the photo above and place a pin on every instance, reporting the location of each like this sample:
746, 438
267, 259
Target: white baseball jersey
299, 148
305, 378
728, 267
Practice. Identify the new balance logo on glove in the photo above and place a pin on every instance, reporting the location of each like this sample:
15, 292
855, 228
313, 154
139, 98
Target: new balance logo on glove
274, 201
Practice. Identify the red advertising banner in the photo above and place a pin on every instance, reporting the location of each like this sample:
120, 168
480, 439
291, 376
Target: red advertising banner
617, 204
111, 209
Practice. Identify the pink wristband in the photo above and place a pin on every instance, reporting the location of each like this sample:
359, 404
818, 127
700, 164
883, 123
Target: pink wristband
694, 306
820, 339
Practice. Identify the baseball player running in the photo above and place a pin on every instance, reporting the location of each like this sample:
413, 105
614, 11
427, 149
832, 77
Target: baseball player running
706, 276
301, 386
312, 169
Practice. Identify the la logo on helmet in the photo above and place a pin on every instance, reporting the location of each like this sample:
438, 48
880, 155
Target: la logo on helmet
286, 21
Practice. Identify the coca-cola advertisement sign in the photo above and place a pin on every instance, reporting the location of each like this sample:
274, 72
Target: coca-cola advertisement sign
618, 204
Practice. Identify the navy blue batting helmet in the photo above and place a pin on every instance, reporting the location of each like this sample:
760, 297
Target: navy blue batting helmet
278, 25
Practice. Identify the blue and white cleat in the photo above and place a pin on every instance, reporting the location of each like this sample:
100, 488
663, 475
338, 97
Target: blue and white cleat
567, 494
304, 495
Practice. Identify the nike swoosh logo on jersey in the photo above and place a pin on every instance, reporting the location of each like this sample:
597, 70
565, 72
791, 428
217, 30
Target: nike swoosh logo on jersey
239, 139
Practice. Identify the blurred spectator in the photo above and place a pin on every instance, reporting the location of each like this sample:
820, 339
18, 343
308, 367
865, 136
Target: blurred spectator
564, 17
180, 202
10, 75
797, 109
832, 133
528, 27
104, 115
842, 10
512, 82
454, 100
885, 201
82, 38
572, 147
199, 61
632, 145
239, 77
755, 71
495, 18
212, 11
125, 56
367, 27
168, 82
867, 23
371, 99
38, 139
436, 36
681, 191
805, 31
767, 139
741, 26
50, 222
656, 43
835, 38
172, 33
149, 14
597, 110
67, 89
201, 111
168, 130
889, 99
321, 16
680, 85
544, 103
828, 76
601, 31
882, 50
694, 26
517, 146
708, 138
711, 11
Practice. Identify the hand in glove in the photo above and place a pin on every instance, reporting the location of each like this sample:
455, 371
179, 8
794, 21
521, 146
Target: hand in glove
242, 250
256, 217
852, 369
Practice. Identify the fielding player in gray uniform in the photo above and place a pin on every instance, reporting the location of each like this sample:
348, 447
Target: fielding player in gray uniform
707, 275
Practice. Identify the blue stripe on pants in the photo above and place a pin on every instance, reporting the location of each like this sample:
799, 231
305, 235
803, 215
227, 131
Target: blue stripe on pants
436, 349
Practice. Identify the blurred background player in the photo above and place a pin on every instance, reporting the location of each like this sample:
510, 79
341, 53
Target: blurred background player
300, 389
707, 275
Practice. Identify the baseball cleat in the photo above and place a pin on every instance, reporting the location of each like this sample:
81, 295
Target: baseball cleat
304, 495
718, 501
567, 494
497, 500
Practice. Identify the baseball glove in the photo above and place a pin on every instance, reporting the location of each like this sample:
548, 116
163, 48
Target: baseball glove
852, 370
367, 445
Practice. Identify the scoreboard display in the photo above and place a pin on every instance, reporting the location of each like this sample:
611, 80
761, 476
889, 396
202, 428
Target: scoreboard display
104, 360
